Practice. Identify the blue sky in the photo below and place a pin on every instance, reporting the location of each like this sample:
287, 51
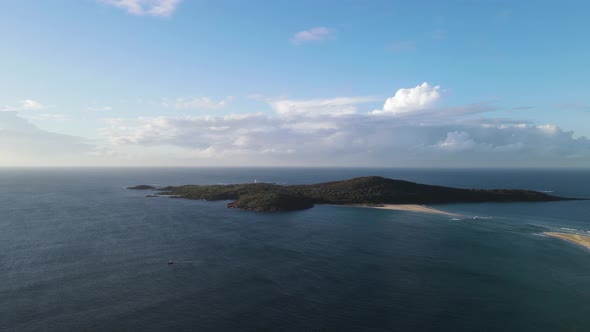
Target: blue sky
171, 82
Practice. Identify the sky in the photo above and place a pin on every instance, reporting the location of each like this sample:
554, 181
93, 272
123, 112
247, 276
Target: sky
459, 83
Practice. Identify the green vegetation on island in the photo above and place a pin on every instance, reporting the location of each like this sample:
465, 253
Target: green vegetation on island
371, 190
142, 187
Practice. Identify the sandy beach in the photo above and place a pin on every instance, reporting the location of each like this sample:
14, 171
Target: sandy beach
582, 240
408, 207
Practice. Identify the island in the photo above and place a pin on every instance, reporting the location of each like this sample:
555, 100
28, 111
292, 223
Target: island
142, 187
370, 191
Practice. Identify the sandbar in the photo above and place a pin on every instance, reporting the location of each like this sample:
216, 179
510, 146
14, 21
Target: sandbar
407, 207
582, 240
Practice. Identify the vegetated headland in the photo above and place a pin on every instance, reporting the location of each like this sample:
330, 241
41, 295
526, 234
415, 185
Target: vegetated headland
367, 191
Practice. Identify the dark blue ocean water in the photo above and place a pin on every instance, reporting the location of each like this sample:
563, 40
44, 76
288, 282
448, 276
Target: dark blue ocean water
79, 252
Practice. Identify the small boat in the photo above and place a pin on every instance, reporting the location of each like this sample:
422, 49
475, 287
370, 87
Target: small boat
170, 262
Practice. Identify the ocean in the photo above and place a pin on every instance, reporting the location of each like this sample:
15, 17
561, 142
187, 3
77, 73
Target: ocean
79, 252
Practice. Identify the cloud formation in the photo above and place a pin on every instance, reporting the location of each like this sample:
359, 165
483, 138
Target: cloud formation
352, 140
328, 132
27, 104
30, 104
457, 141
99, 108
316, 107
314, 132
414, 99
161, 8
198, 103
312, 35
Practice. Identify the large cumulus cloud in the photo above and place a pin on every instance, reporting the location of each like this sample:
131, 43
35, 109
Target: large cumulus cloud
414, 99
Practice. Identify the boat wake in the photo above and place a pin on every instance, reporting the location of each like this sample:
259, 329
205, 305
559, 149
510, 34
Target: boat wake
480, 217
568, 229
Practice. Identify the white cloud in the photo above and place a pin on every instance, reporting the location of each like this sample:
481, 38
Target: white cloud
332, 131
146, 7
204, 103
184, 131
316, 132
316, 107
410, 100
314, 34
457, 141
100, 108
27, 105
356, 139
548, 129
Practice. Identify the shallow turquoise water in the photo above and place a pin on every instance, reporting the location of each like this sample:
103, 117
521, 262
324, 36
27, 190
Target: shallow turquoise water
78, 252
